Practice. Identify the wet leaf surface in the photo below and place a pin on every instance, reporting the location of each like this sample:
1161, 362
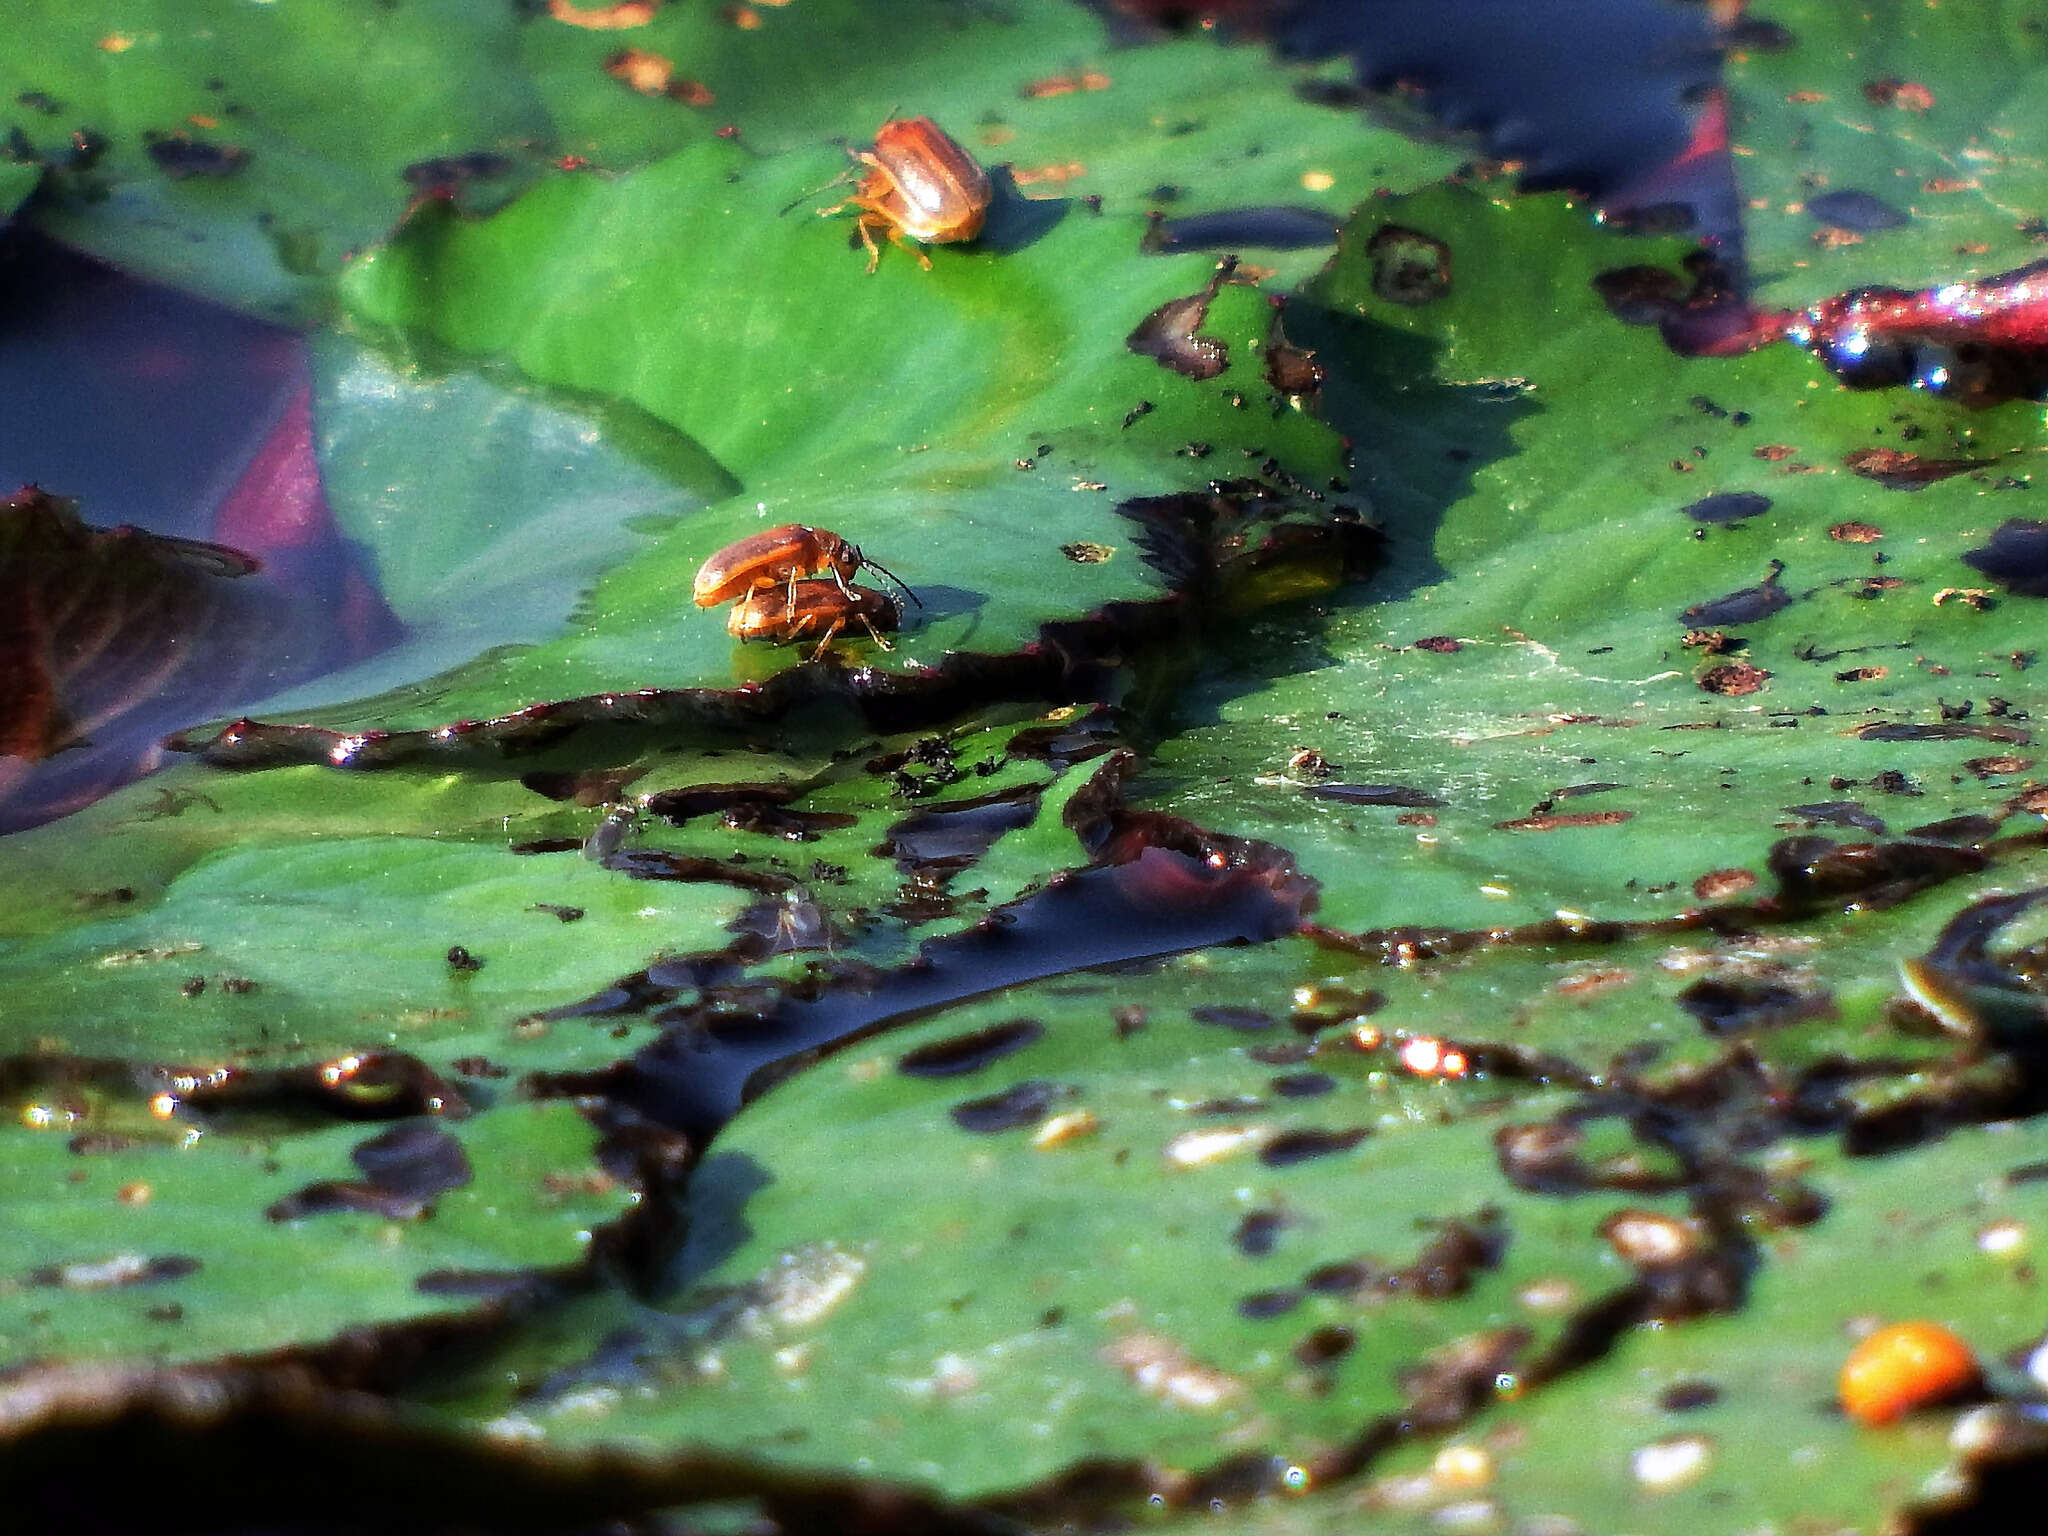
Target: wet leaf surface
1488, 454
150, 1231
817, 1311
1887, 145
192, 145
1401, 937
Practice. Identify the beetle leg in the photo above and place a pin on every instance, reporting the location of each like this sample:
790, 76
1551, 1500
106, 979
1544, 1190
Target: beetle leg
831, 634
867, 239
896, 238
875, 634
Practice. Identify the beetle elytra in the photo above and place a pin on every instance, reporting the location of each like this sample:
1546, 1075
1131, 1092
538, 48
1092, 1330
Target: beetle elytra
920, 185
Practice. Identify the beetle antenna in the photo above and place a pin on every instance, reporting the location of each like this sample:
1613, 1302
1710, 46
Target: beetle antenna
901, 585
803, 198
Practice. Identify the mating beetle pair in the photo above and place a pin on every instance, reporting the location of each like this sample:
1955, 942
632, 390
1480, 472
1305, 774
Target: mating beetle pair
793, 582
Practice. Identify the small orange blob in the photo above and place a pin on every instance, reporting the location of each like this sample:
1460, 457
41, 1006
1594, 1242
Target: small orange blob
1904, 1367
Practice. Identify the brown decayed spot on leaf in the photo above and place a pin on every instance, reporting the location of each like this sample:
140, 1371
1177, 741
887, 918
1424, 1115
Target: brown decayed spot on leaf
647, 73
1292, 371
1720, 884
1408, 267
1059, 173
1994, 767
1906, 95
1552, 821
1064, 84
1898, 470
961, 1054
1862, 674
1168, 334
1855, 533
1442, 645
1591, 983
653, 75
1733, 679
1773, 451
604, 18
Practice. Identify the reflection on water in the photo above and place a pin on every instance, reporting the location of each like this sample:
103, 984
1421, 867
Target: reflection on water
151, 411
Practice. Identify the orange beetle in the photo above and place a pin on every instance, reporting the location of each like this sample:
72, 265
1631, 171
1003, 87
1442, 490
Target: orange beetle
774, 557
1903, 1367
921, 185
804, 608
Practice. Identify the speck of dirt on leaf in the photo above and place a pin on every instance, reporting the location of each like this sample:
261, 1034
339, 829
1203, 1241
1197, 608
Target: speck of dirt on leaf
1082, 553
1855, 533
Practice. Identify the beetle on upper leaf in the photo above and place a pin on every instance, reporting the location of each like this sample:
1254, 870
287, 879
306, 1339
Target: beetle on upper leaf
777, 557
920, 185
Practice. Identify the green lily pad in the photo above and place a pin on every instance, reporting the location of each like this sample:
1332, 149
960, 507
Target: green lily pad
174, 1240
201, 146
491, 547
1000, 508
1040, 87
1511, 724
1888, 144
259, 920
1276, 1250
1732, 1422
